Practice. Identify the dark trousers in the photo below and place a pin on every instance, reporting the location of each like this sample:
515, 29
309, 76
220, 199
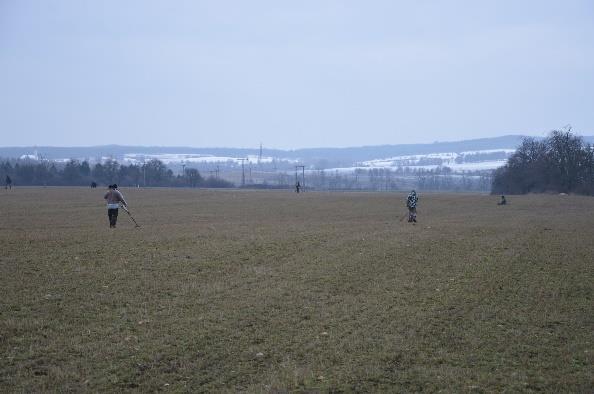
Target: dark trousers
113, 216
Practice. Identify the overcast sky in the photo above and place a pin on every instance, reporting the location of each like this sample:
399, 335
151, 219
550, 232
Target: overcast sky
292, 74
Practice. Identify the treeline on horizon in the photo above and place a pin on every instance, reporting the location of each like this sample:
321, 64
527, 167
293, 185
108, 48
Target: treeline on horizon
561, 163
28, 172
77, 173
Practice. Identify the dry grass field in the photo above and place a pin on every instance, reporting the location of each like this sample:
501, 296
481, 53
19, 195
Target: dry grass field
250, 291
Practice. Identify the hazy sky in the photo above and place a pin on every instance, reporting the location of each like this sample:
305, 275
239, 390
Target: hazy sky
292, 74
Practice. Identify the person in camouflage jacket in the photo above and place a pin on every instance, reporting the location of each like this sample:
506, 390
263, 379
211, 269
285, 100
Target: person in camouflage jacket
411, 204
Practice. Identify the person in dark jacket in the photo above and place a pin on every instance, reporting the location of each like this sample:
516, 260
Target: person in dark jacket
411, 204
8, 184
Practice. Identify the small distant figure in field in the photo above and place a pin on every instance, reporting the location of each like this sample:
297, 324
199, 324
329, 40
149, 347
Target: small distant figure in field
8, 184
297, 187
411, 204
503, 201
114, 198
93, 185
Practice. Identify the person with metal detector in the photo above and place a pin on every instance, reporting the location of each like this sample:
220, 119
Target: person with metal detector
114, 197
411, 204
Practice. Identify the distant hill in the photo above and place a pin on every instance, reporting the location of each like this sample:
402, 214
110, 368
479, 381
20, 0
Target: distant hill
309, 155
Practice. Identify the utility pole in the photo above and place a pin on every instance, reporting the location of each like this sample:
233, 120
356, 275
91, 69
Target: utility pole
242, 171
302, 176
260, 157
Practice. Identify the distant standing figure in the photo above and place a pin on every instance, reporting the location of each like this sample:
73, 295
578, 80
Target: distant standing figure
503, 201
114, 198
297, 187
93, 185
411, 204
8, 183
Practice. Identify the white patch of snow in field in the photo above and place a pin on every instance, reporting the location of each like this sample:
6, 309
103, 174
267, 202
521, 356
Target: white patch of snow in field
482, 165
447, 159
456, 167
409, 159
29, 157
264, 159
169, 158
342, 170
485, 151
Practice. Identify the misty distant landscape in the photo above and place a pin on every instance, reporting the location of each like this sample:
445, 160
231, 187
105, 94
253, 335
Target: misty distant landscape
459, 166
309, 156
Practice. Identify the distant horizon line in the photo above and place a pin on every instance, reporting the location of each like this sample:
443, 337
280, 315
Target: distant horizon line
272, 148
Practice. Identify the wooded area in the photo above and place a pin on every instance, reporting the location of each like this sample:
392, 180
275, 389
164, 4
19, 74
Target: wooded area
561, 163
77, 173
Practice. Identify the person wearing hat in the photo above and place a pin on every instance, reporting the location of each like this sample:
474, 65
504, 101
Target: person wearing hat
411, 204
114, 197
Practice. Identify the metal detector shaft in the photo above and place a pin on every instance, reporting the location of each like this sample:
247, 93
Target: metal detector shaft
130, 215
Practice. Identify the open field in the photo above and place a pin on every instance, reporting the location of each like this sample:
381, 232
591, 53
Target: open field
273, 291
